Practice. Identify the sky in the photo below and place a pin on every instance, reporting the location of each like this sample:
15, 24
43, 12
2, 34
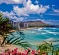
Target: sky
27, 10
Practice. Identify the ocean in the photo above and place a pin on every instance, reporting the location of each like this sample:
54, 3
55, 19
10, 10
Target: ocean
37, 36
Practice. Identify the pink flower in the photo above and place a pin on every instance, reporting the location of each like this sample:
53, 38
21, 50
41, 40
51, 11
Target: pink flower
3, 53
25, 52
33, 52
16, 49
19, 53
8, 52
12, 52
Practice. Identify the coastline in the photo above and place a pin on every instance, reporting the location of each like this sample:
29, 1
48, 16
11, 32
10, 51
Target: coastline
30, 28
35, 28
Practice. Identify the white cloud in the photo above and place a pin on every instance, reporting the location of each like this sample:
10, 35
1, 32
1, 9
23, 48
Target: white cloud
13, 1
20, 19
20, 11
30, 8
56, 10
52, 22
9, 14
12, 16
17, 1
36, 2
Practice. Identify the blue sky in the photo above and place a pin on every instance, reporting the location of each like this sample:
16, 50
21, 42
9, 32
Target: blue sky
26, 10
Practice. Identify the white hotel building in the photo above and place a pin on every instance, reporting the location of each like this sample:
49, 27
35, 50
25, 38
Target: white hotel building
19, 24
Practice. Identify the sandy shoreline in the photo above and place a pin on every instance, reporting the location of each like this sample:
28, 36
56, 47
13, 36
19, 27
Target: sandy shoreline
30, 28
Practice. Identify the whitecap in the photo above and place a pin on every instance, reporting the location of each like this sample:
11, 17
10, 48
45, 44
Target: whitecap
33, 31
43, 33
50, 32
45, 28
39, 29
53, 28
55, 33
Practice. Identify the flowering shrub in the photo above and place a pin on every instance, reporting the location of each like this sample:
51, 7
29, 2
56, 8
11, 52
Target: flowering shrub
25, 52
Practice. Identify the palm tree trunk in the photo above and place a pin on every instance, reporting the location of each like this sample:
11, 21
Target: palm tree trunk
3, 41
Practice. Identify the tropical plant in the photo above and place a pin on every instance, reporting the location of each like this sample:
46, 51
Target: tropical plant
5, 27
17, 40
45, 47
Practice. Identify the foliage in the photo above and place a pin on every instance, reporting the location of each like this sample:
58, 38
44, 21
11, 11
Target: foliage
48, 48
17, 40
45, 46
4, 25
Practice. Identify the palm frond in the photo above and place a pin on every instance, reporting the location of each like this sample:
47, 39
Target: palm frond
44, 46
26, 45
21, 33
17, 40
8, 41
14, 40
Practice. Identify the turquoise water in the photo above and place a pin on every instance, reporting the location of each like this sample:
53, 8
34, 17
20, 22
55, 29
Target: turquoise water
36, 36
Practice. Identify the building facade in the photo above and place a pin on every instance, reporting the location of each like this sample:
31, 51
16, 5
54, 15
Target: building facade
18, 24
28, 24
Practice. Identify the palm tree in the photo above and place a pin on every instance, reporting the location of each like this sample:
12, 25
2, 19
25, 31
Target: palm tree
54, 47
45, 47
5, 27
